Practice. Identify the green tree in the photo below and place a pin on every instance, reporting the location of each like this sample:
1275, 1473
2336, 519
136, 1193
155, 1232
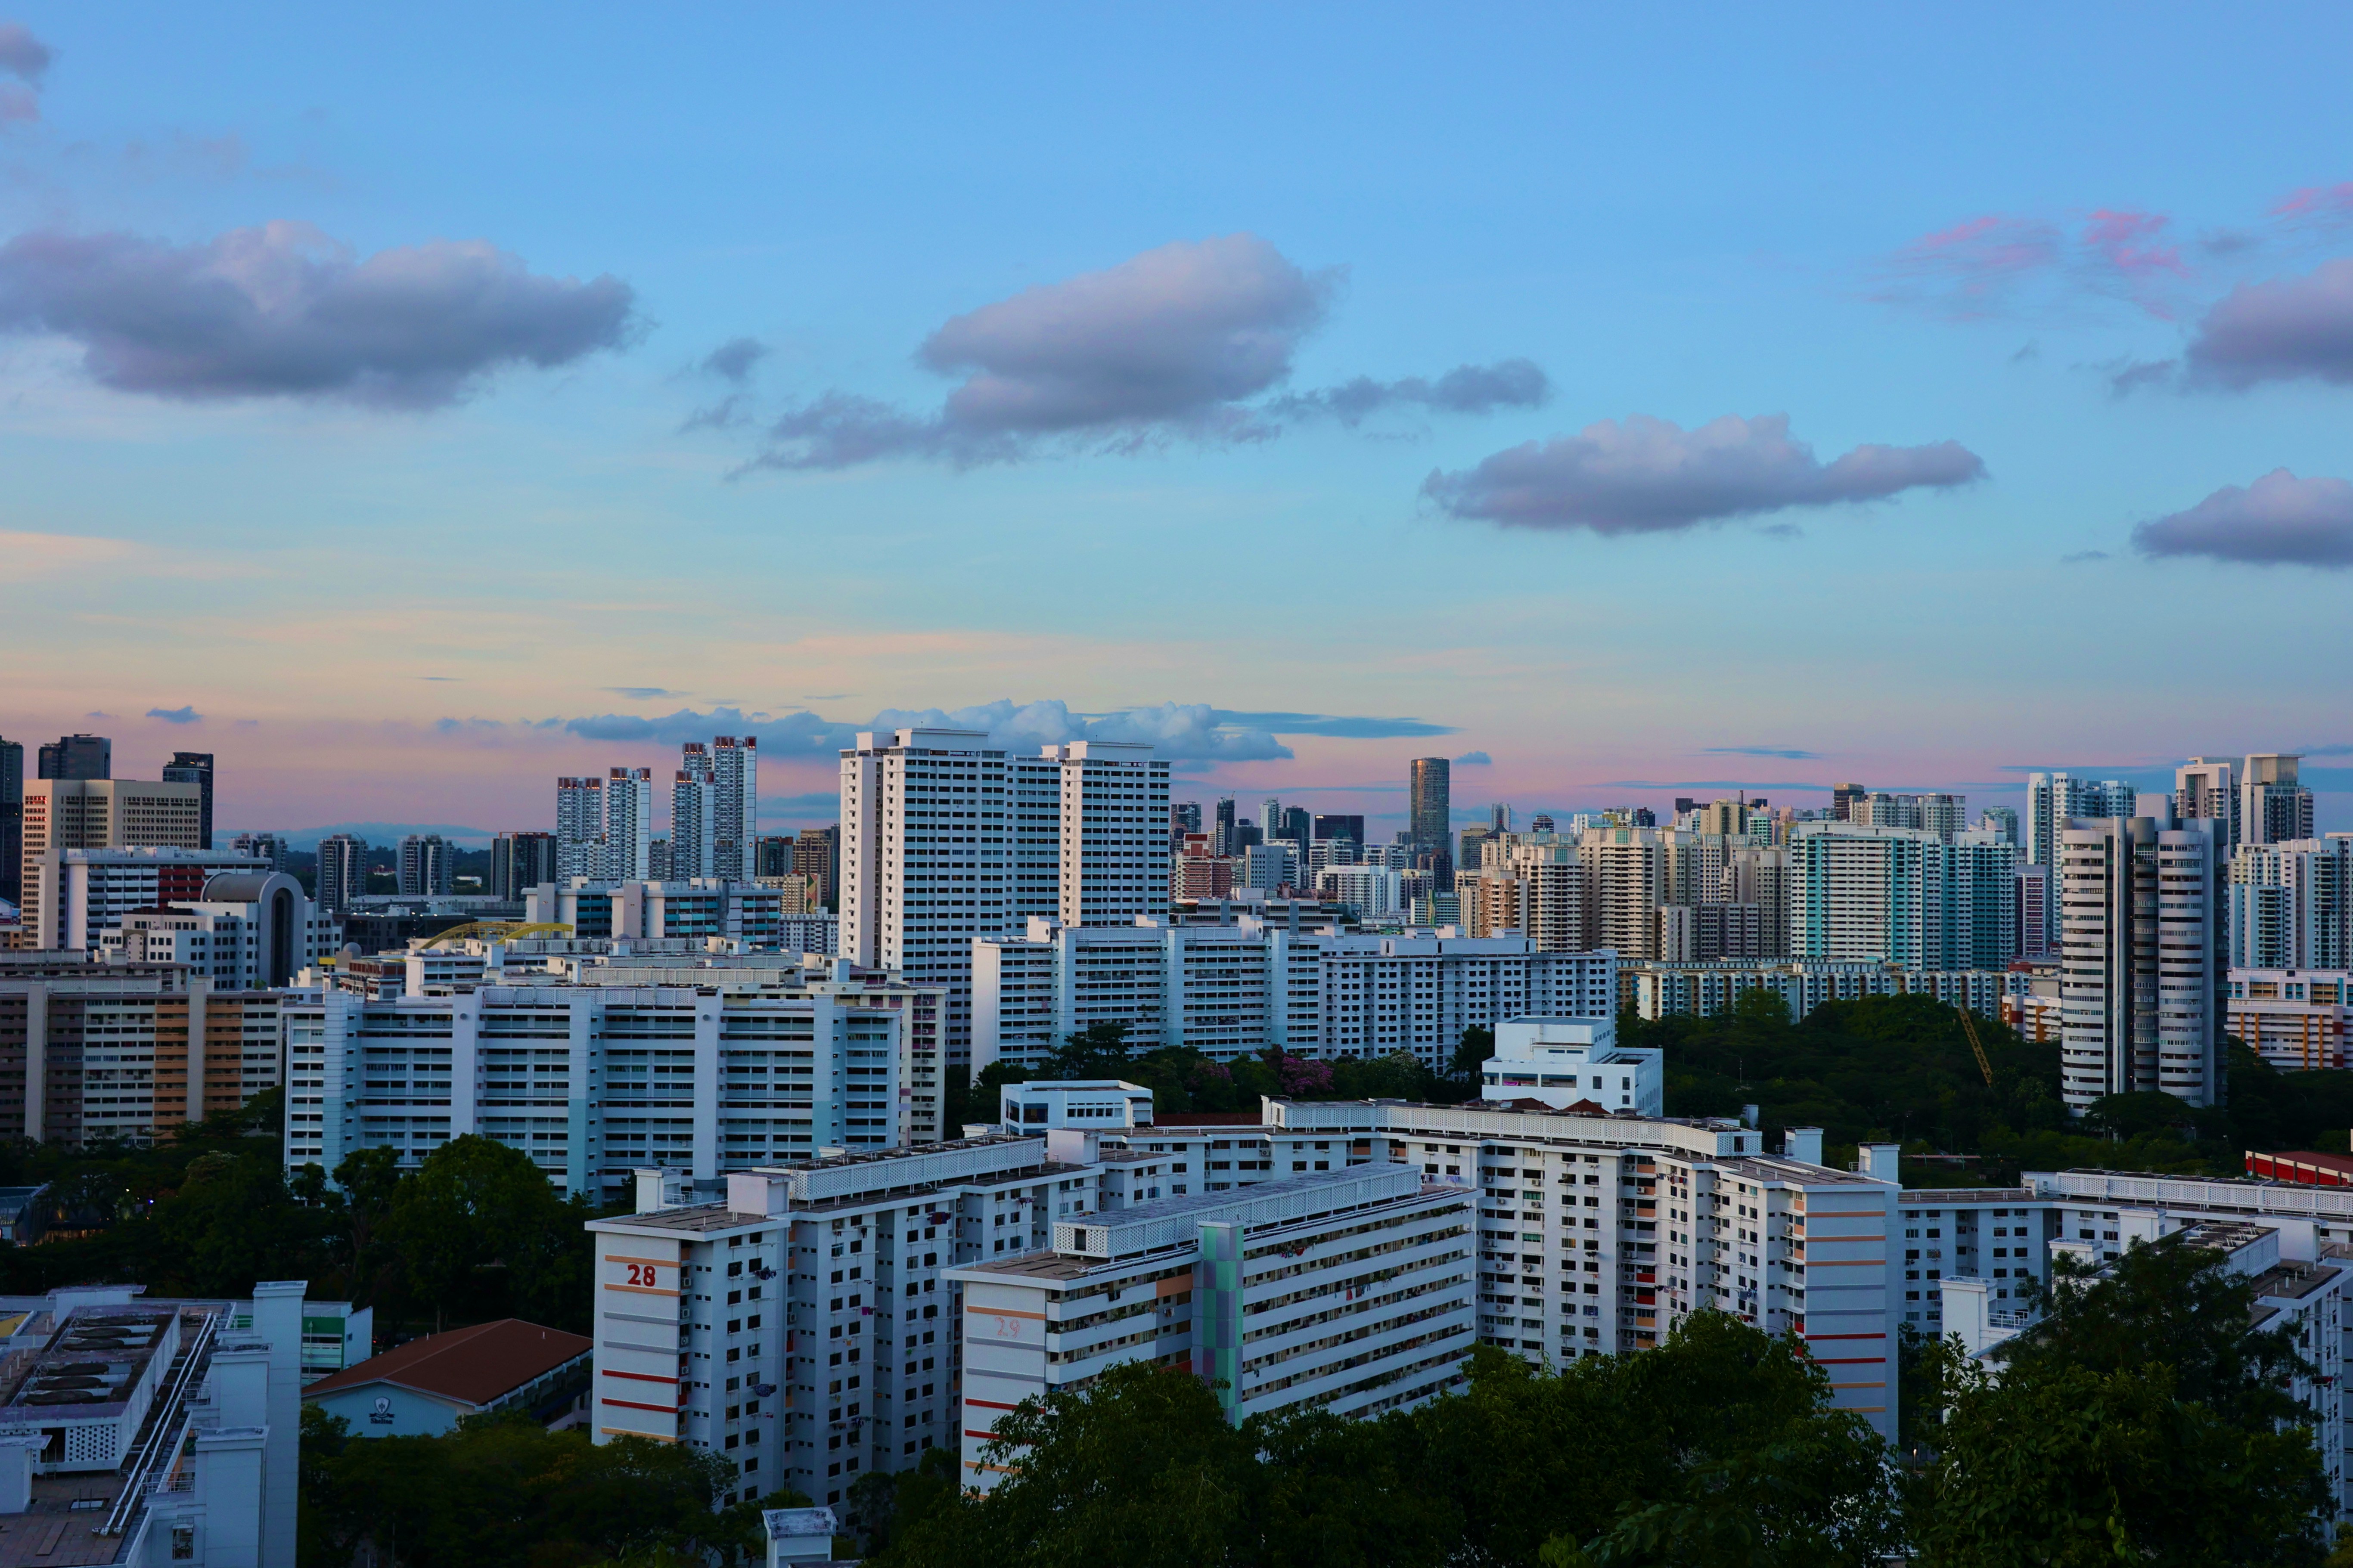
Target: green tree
2062, 1465
480, 1233
2174, 1304
1471, 1053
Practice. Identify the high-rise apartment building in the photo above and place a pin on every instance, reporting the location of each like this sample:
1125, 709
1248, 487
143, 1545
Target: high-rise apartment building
1430, 812
1843, 797
520, 862
579, 828
270, 848
946, 838
342, 871
77, 757
1943, 815
1222, 841
693, 815
2206, 788
629, 824
1864, 894
817, 854
735, 806
428, 865
1624, 872
2000, 819
11, 820
195, 768
2273, 809
1113, 856
2291, 905
2053, 800
1184, 816
2142, 957
2035, 912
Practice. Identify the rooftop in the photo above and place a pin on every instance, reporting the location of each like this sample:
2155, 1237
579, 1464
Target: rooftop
475, 1366
1915, 1195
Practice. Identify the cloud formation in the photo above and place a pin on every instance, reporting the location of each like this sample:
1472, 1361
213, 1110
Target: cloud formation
732, 360
26, 58
1342, 727
1793, 752
1180, 731
2000, 264
1475, 760
1188, 342
2283, 329
641, 693
1650, 475
1168, 343
22, 55
1466, 389
186, 715
283, 310
2278, 521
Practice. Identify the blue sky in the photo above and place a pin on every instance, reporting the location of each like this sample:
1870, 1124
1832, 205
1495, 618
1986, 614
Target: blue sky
1947, 242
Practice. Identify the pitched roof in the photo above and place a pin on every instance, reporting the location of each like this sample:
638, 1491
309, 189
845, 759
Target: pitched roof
475, 1366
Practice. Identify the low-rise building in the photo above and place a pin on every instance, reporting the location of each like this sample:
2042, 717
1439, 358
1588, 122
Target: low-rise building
2296, 1019
1566, 1062
426, 1387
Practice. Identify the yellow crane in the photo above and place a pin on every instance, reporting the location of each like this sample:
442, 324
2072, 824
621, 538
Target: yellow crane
1969, 1027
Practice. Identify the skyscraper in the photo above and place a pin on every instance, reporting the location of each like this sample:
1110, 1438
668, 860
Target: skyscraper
195, 768
629, 825
1114, 864
268, 847
342, 871
520, 862
1351, 827
1430, 812
693, 816
1270, 817
428, 865
580, 829
1184, 816
817, 854
2206, 788
2142, 973
2053, 800
1298, 826
11, 820
1843, 799
77, 757
2291, 905
1499, 818
2273, 809
1223, 835
734, 807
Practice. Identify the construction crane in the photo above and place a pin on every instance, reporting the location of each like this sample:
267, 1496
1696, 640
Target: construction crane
1969, 1027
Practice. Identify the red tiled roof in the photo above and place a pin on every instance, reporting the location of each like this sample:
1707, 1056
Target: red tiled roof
475, 1366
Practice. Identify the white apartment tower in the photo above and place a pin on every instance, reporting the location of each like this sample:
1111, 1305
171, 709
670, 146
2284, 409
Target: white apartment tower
629, 824
2206, 787
694, 815
342, 871
579, 828
2053, 800
428, 865
1113, 850
2292, 905
2142, 973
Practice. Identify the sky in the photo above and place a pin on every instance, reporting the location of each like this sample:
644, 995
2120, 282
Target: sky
411, 406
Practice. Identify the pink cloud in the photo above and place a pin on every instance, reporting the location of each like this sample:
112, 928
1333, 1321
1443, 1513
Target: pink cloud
1968, 270
2315, 204
2126, 246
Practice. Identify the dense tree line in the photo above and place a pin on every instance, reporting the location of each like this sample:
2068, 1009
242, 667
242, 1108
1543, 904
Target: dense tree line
1183, 1078
1899, 1069
475, 1233
2143, 1423
503, 1492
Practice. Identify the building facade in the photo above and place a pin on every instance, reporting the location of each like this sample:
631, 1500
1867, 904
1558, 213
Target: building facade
806, 1327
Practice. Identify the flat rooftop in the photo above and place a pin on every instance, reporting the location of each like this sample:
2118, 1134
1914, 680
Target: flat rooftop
1916, 1195
89, 1366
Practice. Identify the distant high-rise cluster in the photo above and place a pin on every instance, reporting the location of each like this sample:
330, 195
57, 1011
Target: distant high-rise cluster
605, 827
